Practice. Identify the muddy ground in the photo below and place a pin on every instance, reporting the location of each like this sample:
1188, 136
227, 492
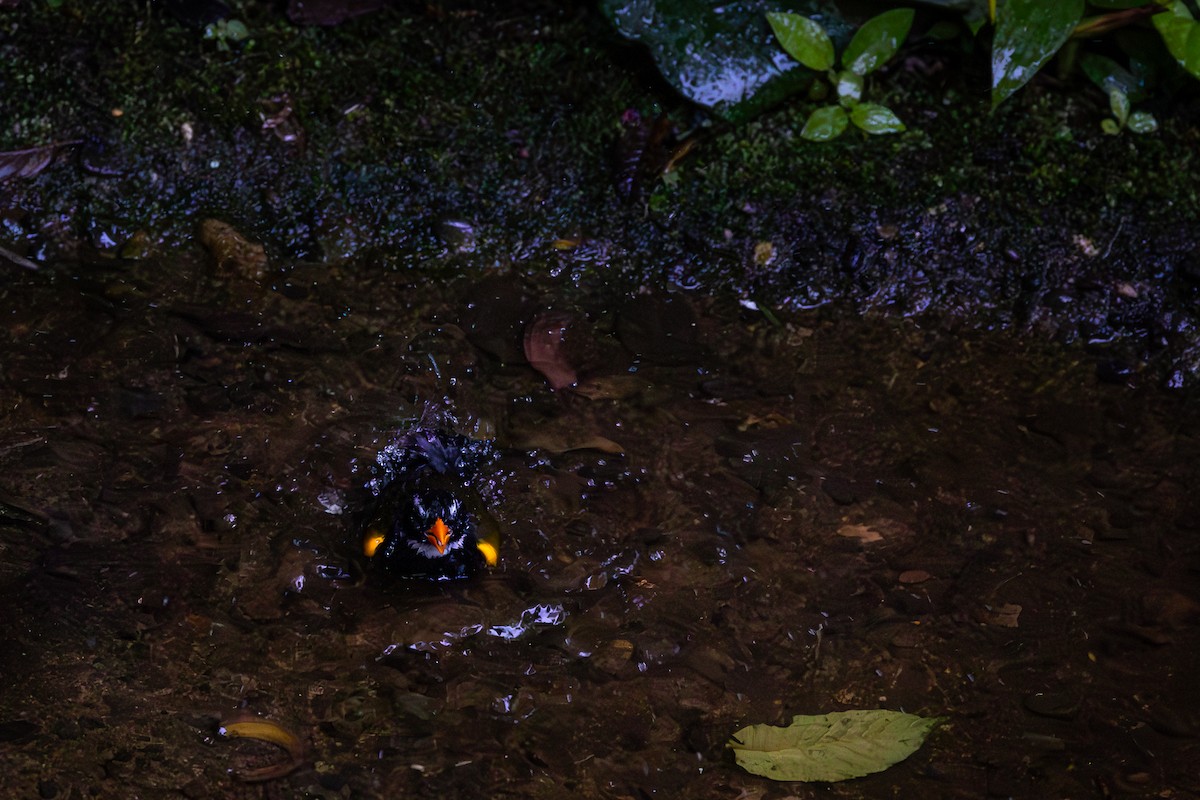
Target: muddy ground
901, 424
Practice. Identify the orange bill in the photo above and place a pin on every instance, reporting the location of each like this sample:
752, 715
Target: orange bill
438, 535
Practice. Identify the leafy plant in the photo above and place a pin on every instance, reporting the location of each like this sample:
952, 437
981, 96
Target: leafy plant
1123, 89
830, 747
872, 45
228, 33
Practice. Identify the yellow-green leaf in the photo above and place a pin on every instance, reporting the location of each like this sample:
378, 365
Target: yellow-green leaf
830, 747
874, 118
803, 39
824, 124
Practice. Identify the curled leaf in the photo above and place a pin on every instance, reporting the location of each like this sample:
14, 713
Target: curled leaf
546, 349
28, 163
264, 730
830, 747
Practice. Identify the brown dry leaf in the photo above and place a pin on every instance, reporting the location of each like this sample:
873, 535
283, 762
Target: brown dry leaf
612, 387
546, 347
914, 576
860, 532
1004, 616
771, 421
562, 442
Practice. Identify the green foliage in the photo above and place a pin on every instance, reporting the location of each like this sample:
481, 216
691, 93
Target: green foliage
1181, 34
227, 33
1028, 33
1122, 88
830, 747
870, 48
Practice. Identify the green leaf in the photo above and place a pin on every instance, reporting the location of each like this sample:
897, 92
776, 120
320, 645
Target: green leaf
830, 747
943, 31
849, 87
1110, 126
803, 39
1181, 34
877, 40
874, 118
1142, 122
1109, 75
1118, 101
827, 122
1028, 33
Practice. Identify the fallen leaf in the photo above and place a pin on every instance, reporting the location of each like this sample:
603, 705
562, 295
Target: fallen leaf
557, 443
546, 347
612, 387
29, 162
1004, 616
860, 532
914, 576
830, 747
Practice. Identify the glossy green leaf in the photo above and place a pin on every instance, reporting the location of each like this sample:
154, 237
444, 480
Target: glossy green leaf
849, 88
1028, 33
1118, 101
830, 747
874, 118
877, 40
1142, 122
803, 39
827, 122
1181, 34
1109, 75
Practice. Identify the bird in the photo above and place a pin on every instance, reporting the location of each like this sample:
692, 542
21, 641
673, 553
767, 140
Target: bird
426, 521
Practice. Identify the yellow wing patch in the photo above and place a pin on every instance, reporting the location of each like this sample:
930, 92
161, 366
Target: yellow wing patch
490, 554
371, 542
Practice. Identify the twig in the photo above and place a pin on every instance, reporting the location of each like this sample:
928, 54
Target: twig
20, 261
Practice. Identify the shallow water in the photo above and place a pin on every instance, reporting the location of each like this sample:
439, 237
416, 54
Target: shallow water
728, 520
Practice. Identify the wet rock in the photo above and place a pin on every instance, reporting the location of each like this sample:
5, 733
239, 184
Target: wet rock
1169, 609
233, 255
1055, 705
458, 235
841, 490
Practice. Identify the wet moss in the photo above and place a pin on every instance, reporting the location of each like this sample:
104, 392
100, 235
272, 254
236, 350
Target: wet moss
356, 140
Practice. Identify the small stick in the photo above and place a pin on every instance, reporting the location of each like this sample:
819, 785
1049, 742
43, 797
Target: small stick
20, 261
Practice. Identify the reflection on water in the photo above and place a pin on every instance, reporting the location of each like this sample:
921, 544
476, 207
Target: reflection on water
727, 519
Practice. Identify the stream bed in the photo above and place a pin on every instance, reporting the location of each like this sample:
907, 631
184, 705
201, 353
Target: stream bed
728, 517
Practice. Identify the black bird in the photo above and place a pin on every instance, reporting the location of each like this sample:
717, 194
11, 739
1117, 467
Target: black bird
426, 521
